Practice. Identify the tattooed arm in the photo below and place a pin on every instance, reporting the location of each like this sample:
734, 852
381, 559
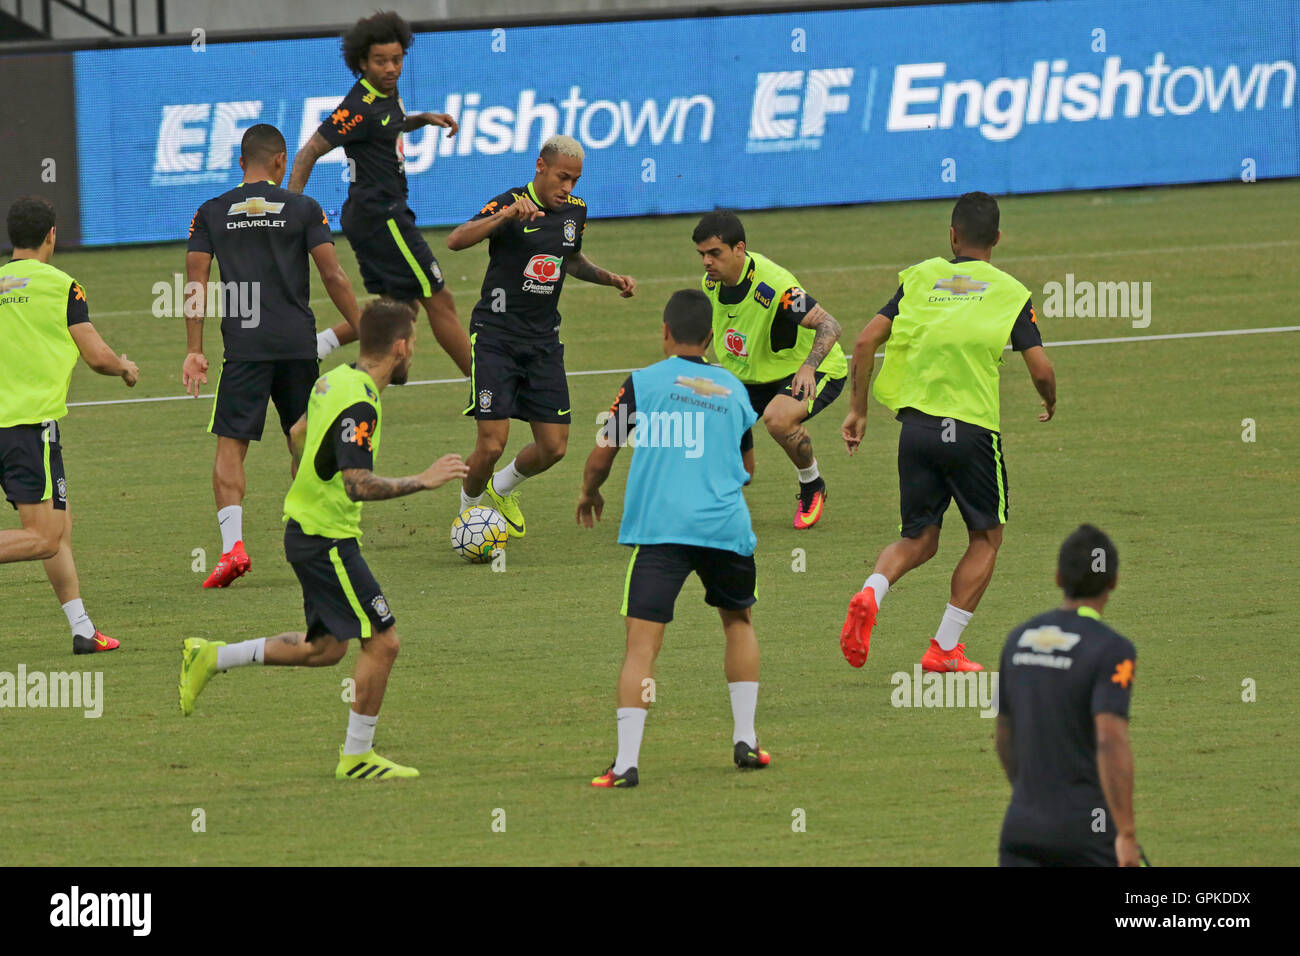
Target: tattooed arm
580, 267
828, 333
362, 484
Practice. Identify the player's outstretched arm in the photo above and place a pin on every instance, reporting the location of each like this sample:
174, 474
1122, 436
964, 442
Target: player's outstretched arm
475, 231
194, 370
96, 353
580, 267
590, 501
1115, 768
445, 120
1044, 376
869, 340
362, 484
337, 284
305, 162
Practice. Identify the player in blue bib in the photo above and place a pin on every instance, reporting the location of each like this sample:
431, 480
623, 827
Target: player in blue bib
683, 510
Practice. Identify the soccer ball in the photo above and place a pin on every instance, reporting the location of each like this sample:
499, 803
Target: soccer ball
477, 534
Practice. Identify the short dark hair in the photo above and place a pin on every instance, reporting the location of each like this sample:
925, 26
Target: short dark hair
722, 223
30, 220
689, 316
383, 322
383, 27
261, 143
975, 217
1088, 563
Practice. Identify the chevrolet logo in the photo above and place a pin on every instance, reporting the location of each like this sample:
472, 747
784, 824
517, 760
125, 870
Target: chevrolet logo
9, 283
254, 206
961, 285
1044, 640
703, 386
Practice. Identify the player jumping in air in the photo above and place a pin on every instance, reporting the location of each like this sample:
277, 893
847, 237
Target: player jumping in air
335, 445
394, 258
535, 240
946, 328
46, 327
683, 510
777, 340
262, 237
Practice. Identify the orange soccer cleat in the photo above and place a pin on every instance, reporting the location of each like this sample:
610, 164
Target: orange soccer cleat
811, 500
855, 637
938, 661
233, 564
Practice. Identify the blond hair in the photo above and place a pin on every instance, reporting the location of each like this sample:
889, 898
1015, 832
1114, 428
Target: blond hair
560, 145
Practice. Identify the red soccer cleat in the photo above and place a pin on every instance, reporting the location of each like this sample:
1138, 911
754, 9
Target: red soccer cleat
811, 500
938, 661
94, 645
233, 564
855, 637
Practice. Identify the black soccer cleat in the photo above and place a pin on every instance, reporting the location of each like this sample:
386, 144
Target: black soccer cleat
751, 758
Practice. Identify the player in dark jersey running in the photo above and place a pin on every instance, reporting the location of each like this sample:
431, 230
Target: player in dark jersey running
1064, 688
535, 233
336, 444
46, 329
946, 327
391, 252
262, 237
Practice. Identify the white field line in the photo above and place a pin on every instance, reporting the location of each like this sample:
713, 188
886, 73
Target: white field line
628, 371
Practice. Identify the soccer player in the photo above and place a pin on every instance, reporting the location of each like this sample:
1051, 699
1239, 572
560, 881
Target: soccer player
1065, 684
394, 258
46, 326
535, 240
335, 445
946, 327
776, 339
262, 237
683, 510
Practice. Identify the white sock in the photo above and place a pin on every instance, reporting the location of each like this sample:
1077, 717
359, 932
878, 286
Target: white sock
809, 474
231, 521
950, 628
508, 479
78, 620
361, 734
744, 701
878, 583
466, 502
631, 726
241, 654
326, 342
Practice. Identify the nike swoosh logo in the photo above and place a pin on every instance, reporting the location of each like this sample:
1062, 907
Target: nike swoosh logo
534, 229
517, 527
386, 119
562, 411
101, 643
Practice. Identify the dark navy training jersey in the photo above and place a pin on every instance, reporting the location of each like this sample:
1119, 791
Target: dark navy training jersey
368, 125
526, 267
261, 236
1058, 672
1024, 334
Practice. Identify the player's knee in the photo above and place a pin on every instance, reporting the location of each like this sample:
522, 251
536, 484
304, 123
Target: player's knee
332, 651
553, 450
490, 447
777, 423
385, 643
47, 544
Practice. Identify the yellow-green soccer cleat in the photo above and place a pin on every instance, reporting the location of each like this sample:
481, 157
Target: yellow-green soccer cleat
369, 766
198, 664
508, 508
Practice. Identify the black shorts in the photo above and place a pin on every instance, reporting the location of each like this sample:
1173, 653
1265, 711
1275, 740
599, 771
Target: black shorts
394, 258
31, 465
828, 389
339, 594
517, 378
1059, 839
656, 573
943, 459
243, 389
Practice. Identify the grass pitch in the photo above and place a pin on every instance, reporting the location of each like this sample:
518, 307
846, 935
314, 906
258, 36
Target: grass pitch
503, 694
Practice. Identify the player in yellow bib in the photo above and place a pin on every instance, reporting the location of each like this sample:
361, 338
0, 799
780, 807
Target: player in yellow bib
946, 328
775, 338
46, 328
